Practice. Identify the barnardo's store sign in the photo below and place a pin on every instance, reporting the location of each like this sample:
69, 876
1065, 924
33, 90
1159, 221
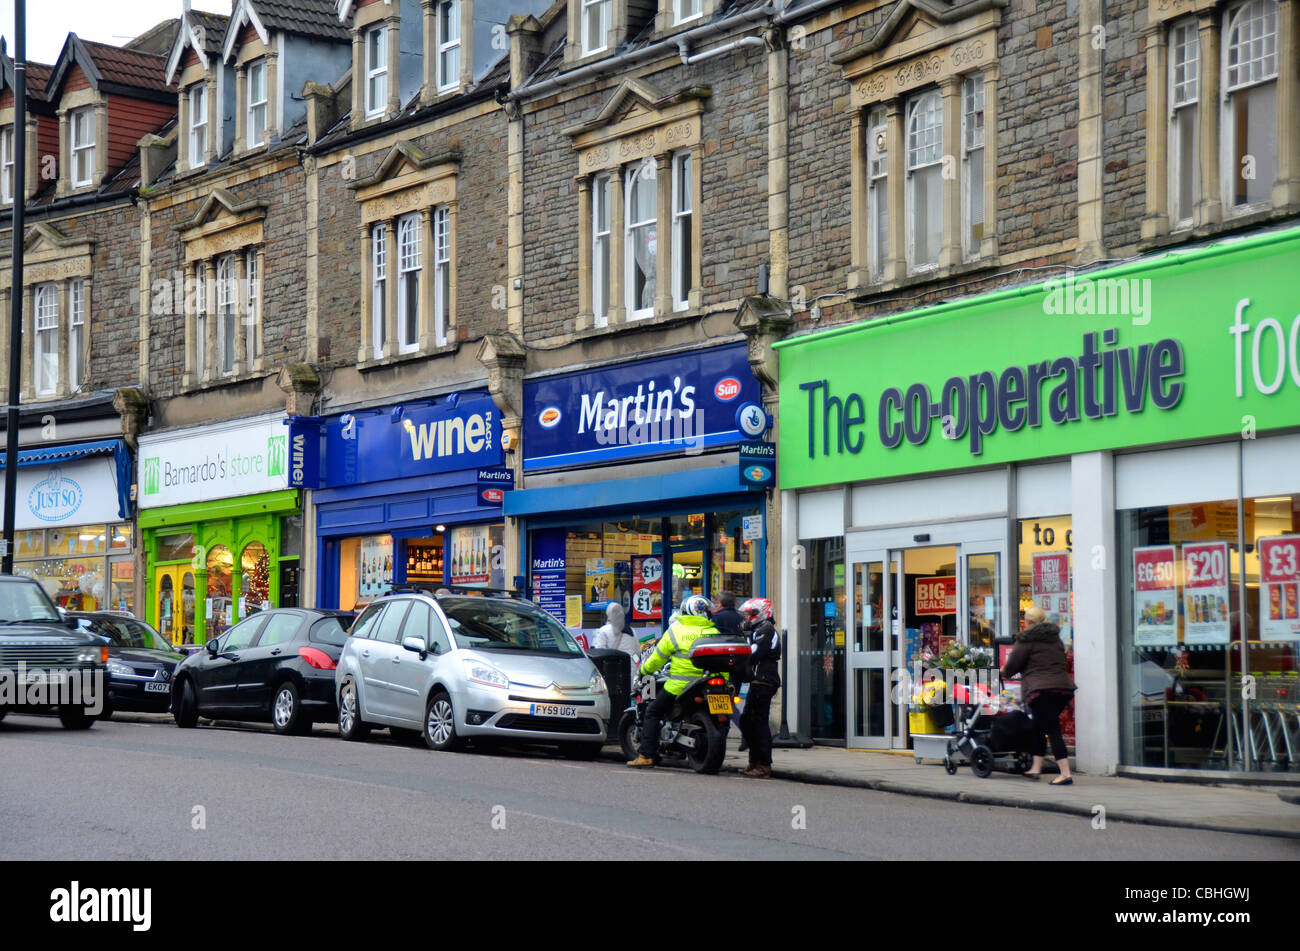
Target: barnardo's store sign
685, 402
225, 460
1191, 345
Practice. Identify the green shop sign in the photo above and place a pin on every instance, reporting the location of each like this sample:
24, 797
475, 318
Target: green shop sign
1189, 345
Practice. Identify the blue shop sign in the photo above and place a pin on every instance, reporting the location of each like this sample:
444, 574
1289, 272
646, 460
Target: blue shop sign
404, 441
670, 405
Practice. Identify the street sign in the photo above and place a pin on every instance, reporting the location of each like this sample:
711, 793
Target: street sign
757, 464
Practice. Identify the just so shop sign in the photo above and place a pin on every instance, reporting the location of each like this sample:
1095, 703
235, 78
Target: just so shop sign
1213, 350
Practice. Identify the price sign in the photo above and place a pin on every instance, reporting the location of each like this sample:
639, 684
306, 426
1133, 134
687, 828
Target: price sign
936, 595
1205, 593
1155, 596
1051, 588
1279, 588
647, 587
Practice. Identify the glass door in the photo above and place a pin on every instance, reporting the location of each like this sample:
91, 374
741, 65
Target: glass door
873, 608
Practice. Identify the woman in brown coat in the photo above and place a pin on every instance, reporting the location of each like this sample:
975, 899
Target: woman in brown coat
1045, 685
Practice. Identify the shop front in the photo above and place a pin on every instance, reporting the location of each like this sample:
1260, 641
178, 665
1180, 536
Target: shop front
404, 494
635, 490
1119, 448
220, 528
73, 530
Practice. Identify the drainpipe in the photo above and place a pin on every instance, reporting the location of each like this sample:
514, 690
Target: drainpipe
683, 49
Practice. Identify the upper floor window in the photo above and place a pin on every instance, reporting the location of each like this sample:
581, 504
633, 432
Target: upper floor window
683, 209
448, 44
877, 147
441, 273
46, 307
685, 10
924, 180
257, 104
1250, 102
641, 239
253, 309
376, 71
82, 124
409, 265
595, 24
202, 289
1184, 120
378, 287
7, 164
76, 334
972, 157
600, 249
227, 313
198, 106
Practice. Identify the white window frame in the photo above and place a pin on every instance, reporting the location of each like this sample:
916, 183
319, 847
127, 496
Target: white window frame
973, 132
409, 268
7, 169
1184, 96
45, 345
77, 350
200, 319
634, 176
257, 106
877, 192
376, 70
602, 248
442, 265
597, 13
227, 314
683, 210
1258, 69
924, 153
447, 46
198, 125
252, 315
81, 148
379, 287
680, 14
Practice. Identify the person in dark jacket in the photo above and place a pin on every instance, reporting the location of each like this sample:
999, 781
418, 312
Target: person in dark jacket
727, 619
755, 724
1045, 685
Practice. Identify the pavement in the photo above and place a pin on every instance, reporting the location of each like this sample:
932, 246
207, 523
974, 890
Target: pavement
1216, 807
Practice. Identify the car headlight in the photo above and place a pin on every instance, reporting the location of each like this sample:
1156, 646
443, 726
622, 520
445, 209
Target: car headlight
116, 667
89, 655
483, 673
597, 683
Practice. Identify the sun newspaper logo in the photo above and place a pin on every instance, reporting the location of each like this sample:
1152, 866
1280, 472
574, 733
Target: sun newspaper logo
76, 904
550, 417
727, 389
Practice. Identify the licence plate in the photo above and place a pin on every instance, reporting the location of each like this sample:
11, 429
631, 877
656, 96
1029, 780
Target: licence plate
720, 703
553, 710
52, 677
157, 688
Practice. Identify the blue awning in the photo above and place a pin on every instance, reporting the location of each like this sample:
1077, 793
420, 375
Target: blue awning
620, 493
117, 448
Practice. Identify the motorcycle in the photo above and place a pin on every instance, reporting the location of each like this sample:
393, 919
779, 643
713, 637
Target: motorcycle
695, 730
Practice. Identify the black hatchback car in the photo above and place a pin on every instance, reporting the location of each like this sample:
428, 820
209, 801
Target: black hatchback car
277, 665
140, 662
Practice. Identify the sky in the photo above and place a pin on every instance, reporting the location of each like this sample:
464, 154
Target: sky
106, 21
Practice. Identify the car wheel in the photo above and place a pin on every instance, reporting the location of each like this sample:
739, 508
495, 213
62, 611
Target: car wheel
440, 724
187, 707
580, 751
286, 711
75, 718
106, 713
351, 726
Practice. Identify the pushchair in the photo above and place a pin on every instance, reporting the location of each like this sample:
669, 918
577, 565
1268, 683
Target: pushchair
1000, 739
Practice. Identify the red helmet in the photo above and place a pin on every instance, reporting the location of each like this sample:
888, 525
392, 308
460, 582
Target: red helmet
757, 609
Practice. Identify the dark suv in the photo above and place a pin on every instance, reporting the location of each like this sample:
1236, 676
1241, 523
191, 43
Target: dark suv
47, 666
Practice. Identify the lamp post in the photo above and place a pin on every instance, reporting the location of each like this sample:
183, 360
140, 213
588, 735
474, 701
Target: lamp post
19, 191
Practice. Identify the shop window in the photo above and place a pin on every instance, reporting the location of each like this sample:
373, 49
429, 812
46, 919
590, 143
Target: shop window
1209, 676
255, 580
984, 594
176, 547
219, 609
823, 607
365, 569
119, 537
291, 536
732, 556
1046, 570
424, 560
122, 573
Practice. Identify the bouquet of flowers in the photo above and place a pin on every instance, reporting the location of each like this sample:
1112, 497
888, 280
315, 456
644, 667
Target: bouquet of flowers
965, 657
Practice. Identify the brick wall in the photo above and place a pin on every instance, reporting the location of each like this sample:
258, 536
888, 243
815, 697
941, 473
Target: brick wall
1124, 113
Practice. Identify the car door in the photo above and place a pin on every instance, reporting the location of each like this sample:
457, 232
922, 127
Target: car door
409, 675
259, 663
217, 677
377, 661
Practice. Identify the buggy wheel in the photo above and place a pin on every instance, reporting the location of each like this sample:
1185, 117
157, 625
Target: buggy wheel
1023, 762
950, 766
981, 761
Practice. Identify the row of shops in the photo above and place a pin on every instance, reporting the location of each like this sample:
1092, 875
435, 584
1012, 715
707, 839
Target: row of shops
1121, 449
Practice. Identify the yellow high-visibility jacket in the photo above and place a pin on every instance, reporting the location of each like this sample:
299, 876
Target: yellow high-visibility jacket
675, 647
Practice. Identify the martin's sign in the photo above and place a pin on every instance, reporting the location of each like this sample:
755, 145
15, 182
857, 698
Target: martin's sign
1203, 345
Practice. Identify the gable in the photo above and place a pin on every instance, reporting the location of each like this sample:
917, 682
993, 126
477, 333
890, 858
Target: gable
638, 120
406, 180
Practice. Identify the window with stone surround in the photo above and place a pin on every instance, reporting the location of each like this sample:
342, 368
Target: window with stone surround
1216, 125
924, 151
639, 228
81, 123
376, 44
7, 164
595, 25
45, 347
76, 334
257, 104
448, 44
408, 207
198, 112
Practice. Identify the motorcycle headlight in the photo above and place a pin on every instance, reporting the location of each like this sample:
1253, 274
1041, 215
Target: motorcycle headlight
117, 667
484, 673
597, 683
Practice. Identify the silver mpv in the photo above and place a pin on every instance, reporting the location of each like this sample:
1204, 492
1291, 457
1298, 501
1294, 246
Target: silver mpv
456, 667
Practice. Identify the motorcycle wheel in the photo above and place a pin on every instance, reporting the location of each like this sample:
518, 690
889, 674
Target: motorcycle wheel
710, 745
629, 736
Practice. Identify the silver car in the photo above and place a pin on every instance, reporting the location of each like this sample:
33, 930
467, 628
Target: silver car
456, 667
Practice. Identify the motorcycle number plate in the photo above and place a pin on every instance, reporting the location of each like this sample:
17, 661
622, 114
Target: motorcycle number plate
553, 710
720, 703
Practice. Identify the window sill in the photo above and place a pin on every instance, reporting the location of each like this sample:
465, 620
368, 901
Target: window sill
1230, 224
380, 363
216, 383
866, 287
586, 331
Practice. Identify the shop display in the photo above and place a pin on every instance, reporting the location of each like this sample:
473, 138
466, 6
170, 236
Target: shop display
471, 552
647, 588
1205, 593
1051, 589
1279, 592
1155, 597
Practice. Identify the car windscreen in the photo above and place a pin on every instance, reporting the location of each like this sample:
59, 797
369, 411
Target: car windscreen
26, 601
331, 630
486, 624
126, 632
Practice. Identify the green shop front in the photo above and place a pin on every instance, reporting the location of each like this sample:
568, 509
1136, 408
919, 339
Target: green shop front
220, 528
1121, 448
